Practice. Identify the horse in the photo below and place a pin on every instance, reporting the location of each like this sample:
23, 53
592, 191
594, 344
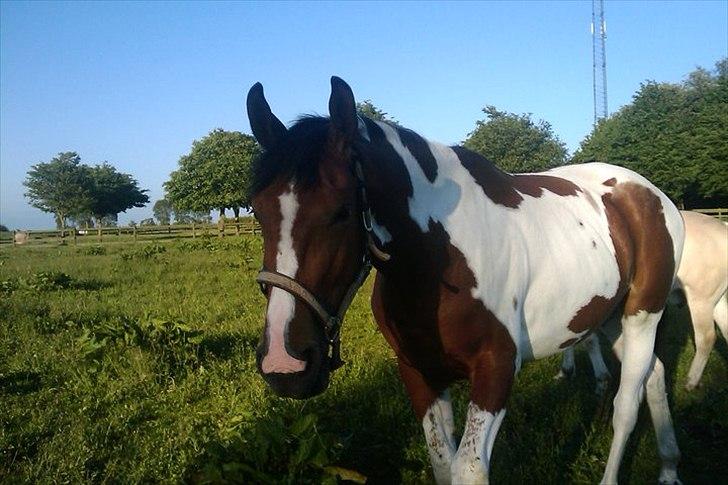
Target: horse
703, 278
478, 270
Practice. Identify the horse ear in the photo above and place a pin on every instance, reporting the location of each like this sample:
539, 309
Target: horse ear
342, 108
267, 129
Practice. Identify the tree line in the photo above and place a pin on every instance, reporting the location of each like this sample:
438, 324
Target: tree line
675, 134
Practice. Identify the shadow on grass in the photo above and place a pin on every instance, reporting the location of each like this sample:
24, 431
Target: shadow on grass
20, 383
225, 346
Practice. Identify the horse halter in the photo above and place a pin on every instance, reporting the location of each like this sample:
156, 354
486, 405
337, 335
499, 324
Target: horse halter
332, 321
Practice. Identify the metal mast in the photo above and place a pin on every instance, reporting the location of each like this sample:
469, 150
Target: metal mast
599, 56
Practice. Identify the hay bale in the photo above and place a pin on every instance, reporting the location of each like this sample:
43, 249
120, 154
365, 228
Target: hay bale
21, 237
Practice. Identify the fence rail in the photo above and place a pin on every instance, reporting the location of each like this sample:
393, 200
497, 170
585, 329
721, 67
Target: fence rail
721, 214
98, 235
118, 234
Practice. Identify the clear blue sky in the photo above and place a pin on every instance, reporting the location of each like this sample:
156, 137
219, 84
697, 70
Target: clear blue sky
135, 83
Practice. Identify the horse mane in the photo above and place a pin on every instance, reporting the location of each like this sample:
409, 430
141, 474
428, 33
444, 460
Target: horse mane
296, 157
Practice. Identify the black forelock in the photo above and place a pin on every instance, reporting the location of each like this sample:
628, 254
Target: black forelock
295, 158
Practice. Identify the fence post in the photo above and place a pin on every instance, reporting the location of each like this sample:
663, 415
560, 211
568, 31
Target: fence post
118, 228
98, 232
221, 227
14, 231
75, 242
135, 234
193, 229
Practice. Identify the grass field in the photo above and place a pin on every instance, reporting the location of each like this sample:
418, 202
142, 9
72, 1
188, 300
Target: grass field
135, 363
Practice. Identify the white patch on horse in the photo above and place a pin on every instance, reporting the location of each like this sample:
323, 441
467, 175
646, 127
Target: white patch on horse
439, 425
282, 304
472, 461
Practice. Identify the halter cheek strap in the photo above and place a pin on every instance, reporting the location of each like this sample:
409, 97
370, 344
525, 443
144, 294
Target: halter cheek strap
332, 322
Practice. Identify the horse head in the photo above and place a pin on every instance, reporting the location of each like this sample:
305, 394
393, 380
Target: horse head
304, 195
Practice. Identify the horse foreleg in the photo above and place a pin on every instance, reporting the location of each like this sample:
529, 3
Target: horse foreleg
491, 383
432, 406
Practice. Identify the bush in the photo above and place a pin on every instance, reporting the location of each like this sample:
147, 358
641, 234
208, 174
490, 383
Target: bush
96, 250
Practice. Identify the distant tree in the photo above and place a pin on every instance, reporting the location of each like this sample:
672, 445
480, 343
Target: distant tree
215, 174
188, 217
62, 187
367, 108
3, 228
515, 142
113, 192
676, 135
147, 222
110, 220
163, 211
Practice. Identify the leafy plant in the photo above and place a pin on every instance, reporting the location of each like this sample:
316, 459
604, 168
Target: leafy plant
95, 250
274, 449
49, 280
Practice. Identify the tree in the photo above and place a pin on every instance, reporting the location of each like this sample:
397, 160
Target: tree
188, 217
113, 192
62, 187
163, 211
3, 228
515, 142
367, 108
676, 135
215, 174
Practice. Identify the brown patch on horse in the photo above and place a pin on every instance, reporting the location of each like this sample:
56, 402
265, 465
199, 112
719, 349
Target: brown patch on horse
610, 182
641, 212
594, 313
534, 185
506, 189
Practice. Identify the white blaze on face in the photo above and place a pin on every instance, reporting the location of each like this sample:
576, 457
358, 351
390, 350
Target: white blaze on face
282, 304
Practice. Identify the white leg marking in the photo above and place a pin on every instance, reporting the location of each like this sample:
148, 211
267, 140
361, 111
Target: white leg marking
473, 457
282, 304
601, 373
438, 424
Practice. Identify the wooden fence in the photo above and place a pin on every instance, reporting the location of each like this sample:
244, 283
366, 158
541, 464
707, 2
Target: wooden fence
100, 235
173, 231
720, 214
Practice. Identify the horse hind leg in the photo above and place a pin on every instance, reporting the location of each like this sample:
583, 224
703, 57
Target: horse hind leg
601, 373
625, 415
567, 364
720, 314
701, 314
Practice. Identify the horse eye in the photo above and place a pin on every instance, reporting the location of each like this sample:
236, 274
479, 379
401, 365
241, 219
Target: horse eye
342, 214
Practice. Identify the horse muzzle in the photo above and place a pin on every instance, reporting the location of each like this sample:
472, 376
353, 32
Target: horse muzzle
310, 382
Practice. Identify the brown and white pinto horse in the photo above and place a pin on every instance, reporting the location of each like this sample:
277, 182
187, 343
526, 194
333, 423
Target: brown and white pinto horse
478, 270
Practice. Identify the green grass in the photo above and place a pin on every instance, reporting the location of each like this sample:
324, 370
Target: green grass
136, 363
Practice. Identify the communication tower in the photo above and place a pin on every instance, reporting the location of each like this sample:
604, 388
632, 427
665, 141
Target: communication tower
599, 57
